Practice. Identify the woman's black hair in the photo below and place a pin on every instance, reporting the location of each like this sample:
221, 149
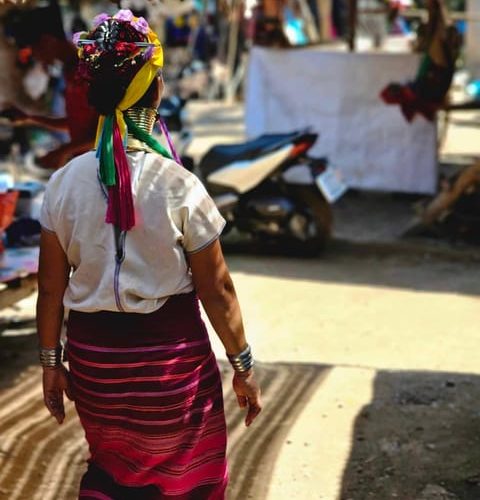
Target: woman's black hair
150, 97
106, 90
105, 94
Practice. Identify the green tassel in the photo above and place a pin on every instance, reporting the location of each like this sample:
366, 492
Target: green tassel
107, 163
425, 64
146, 138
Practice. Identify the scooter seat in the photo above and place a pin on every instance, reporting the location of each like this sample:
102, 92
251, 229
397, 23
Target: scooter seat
219, 156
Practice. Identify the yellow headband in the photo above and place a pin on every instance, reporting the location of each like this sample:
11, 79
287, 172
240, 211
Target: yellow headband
138, 86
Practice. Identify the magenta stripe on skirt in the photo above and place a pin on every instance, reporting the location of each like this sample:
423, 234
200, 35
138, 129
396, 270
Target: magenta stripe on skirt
148, 392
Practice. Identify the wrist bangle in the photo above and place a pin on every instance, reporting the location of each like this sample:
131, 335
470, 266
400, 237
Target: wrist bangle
50, 358
243, 361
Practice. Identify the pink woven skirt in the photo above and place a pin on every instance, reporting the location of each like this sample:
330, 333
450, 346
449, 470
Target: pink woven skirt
148, 392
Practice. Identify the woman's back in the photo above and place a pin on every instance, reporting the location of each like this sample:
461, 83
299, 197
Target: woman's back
173, 215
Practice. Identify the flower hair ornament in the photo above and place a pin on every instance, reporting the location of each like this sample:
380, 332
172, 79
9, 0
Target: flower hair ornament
110, 43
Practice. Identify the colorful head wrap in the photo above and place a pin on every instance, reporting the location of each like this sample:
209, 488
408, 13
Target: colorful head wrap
107, 42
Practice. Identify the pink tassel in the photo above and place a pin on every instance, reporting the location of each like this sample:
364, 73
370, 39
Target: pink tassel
120, 210
166, 133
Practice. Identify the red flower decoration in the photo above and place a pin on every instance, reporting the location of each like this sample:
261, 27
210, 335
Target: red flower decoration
125, 49
89, 49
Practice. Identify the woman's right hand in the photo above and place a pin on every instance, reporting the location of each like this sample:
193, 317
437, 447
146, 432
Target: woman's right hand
248, 394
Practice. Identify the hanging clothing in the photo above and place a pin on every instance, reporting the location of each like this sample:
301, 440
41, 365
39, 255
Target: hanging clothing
427, 93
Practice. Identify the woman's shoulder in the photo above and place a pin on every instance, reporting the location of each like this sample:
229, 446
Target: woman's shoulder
172, 173
80, 166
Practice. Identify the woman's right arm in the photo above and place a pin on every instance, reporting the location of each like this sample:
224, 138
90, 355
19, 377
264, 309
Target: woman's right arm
53, 273
215, 290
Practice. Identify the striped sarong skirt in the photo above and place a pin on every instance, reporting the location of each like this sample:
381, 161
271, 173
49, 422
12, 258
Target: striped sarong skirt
148, 393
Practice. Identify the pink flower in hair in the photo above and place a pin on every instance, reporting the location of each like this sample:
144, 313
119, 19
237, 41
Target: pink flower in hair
124, 15
97, 20
148, 53
140, 25
77, 36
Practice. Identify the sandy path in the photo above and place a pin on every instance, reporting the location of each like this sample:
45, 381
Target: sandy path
327, 334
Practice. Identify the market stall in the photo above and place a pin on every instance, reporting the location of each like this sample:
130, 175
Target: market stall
337, 94
19, 263
18, 274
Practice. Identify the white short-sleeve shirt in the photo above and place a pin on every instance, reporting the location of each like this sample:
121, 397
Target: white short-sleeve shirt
174, 216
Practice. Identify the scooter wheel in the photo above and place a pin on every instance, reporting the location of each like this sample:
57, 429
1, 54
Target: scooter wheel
321, 222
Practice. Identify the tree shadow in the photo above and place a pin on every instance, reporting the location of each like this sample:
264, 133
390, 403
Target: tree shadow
286, 389
417, 439
252, 453
17, 354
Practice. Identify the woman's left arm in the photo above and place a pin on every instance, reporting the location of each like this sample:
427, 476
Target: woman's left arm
53, 274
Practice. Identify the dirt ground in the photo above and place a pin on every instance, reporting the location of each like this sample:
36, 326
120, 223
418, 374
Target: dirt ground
369, 368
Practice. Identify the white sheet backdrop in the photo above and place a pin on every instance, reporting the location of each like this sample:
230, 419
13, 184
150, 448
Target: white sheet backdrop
337, 93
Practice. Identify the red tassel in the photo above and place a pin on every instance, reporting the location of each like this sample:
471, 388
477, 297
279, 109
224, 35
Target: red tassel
120, 210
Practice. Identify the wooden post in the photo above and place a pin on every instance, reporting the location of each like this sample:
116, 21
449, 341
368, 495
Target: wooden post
352, 23
311, 28
324, 8
232, 47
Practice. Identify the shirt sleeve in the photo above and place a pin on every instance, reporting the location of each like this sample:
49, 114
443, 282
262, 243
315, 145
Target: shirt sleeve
45, 214
202, 222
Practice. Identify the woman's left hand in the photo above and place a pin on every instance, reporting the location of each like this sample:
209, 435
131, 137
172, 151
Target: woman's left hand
247, 390
56, 381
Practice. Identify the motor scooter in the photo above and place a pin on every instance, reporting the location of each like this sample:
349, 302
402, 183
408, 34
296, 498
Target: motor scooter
271, 190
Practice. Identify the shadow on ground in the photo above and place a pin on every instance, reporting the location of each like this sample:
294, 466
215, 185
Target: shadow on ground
466, 123
419, 273
17, 352
417, 440
287, 388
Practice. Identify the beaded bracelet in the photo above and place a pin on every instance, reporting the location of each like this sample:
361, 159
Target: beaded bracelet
243, 361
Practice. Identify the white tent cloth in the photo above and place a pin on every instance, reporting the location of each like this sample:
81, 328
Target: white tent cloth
337, 94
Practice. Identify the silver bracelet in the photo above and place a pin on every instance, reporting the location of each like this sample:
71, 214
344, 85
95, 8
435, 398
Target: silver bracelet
243, 361
50, 358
